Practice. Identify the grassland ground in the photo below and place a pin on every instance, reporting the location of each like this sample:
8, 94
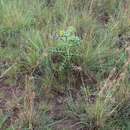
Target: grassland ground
64, 65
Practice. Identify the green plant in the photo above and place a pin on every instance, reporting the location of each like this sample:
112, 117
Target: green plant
66, 48
14, 16
32, 51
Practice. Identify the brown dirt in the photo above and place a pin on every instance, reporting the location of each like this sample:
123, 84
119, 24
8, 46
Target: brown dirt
9, 103
68, 124
8, 95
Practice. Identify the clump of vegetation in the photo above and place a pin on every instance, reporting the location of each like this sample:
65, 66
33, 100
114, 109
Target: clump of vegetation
64, 65
14, 16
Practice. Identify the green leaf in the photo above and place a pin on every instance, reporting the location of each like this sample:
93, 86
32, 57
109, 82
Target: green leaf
2, 120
